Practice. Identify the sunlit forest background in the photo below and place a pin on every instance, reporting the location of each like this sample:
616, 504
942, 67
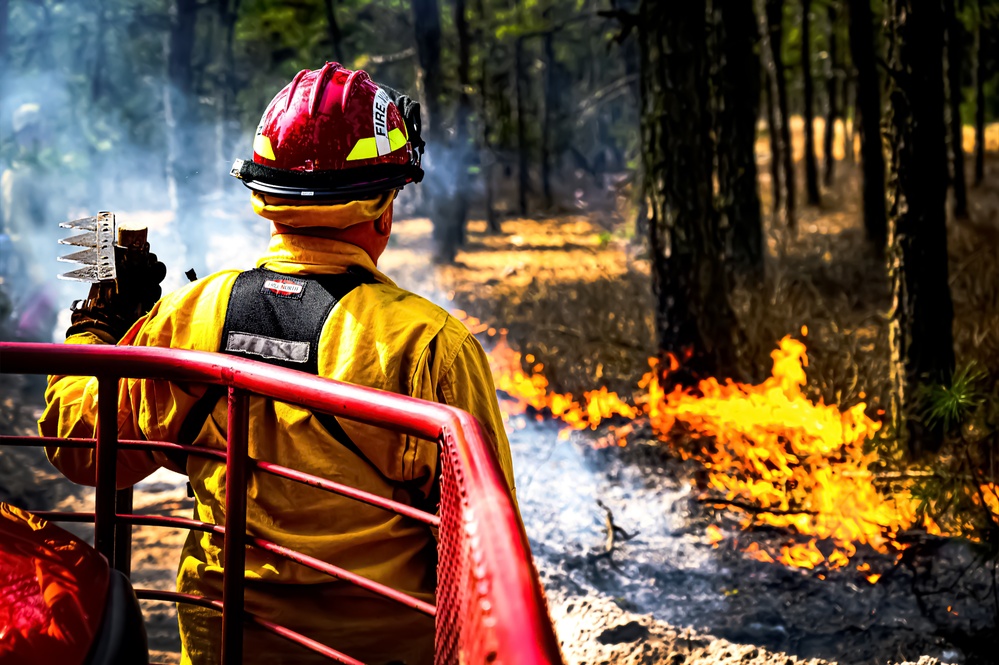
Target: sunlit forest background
762, 235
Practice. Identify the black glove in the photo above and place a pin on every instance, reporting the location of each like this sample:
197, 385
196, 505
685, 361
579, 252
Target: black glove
112, 307
410, 111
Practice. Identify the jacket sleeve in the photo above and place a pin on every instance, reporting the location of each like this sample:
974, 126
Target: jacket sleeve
71, 411
468, 385
148, 409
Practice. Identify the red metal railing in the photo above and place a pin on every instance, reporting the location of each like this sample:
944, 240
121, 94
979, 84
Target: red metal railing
490, 607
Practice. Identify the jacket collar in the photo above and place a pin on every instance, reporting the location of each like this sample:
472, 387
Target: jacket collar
294, 254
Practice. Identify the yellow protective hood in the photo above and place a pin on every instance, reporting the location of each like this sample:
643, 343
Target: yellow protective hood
335, 216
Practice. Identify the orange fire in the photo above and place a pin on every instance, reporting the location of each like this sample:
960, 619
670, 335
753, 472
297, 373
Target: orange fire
772, 454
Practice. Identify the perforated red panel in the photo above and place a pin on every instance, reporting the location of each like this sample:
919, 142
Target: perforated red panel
465, 627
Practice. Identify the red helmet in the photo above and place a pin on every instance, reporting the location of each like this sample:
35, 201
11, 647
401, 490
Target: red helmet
334, 134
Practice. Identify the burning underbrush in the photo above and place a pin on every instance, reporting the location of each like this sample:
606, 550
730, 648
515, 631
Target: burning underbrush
770, 454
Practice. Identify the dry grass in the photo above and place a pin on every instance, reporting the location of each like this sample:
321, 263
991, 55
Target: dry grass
578, 298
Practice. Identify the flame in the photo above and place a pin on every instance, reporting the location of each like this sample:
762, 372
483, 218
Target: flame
773, 455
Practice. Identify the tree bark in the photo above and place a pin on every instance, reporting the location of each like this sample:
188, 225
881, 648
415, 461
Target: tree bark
832, 95
178, 101
775, 152
849, 103
920, 332
955, 52
869, 108
694, 320
774, 12
523, 149
980, 76
811, 165
427, 22
438, 184
462, 135
548, 53
487, 158
738, 109
333, 30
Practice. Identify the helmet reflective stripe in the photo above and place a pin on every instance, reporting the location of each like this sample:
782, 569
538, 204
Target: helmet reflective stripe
370, 148
262, 146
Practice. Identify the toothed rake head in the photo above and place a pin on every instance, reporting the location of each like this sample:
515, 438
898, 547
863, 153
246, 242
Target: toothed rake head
98, 256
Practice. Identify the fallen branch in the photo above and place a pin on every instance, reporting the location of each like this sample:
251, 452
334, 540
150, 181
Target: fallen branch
754, 509
612, 530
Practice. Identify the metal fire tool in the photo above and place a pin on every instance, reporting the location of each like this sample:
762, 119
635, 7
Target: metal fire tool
105, 245
99, 237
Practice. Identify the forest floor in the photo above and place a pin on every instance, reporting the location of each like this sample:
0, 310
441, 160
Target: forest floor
621, 542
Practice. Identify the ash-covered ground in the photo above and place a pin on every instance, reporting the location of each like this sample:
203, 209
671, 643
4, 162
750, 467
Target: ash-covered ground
661, 592
658, 592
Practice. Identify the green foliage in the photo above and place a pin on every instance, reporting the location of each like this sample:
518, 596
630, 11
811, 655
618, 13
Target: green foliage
948, 407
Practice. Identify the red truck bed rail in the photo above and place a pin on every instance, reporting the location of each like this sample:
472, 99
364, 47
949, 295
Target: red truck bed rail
489, 605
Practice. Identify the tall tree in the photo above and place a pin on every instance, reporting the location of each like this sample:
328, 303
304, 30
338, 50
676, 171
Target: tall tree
487, 159
774, 13
693, 314
980, 76
832, 92
427, 23
462, 149
869, 108
333, 30
547, 120
811, 165
920, 331
181, 121
737, 110
438, 186
523, 147
955, 52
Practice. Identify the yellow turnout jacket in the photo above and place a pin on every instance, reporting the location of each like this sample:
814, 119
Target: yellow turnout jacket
379, 336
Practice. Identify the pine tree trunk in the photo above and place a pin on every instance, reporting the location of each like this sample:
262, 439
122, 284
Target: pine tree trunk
775, 31
739, 90
955, 52
920, 331
427, 22
980, 75
438, 185
775, 153
548, 52
523, 149
486, 157
869, 109
849, 104
462, 135
773, 122
811, 164
180, 116
333, 30
832, 96
694, 319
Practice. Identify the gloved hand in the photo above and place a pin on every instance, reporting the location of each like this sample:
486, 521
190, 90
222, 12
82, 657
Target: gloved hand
113, 306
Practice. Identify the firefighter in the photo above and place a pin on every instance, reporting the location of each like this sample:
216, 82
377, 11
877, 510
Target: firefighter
330, 154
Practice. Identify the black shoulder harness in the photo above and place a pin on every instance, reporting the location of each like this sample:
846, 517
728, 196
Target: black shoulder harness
278, 319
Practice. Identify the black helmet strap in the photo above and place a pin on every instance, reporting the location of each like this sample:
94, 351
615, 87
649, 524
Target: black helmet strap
361, 182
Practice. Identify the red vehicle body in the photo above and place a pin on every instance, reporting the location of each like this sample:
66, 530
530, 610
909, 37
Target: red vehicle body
490, 607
